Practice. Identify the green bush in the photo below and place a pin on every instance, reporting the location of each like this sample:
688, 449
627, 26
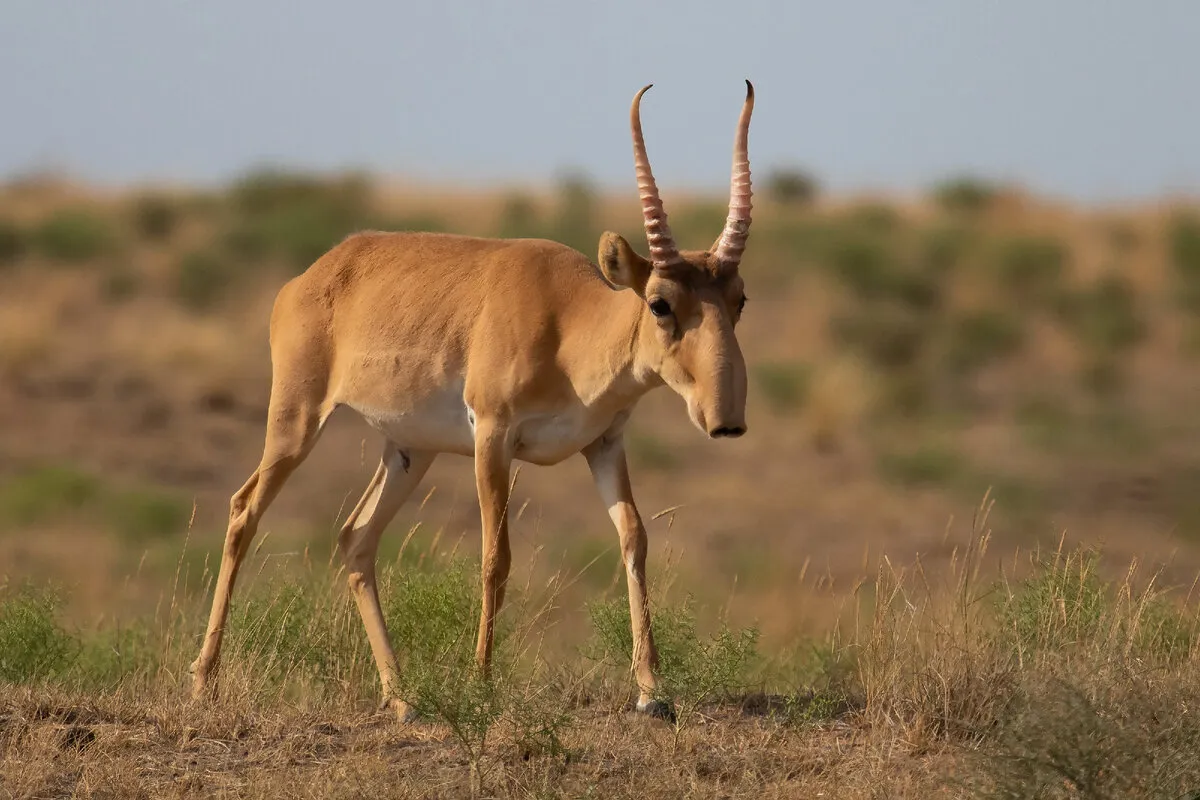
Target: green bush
965, 195
866, 265
1105, 317
928, 464
785, 384
155, 217
692, 669
891, 337
944, 248
202, 278
792, 187
649, 452
519, 218
13, 242
1184, 248
294, 218
34, 646
982, 337
1030, 269
47, 493
31, 497
143, 514
574, 221
120, 284
75, 235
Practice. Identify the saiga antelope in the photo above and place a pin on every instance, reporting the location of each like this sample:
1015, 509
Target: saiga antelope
500, 350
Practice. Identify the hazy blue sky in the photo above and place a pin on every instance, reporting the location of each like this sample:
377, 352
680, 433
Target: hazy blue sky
1088, 98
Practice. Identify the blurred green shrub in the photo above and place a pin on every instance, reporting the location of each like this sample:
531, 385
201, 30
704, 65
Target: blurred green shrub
1183, 244
74, 235
202, 278
791, 186
574, 220
57, 492
519, 218
14, 241
1030, 269
294, 217
34, 646
979, 338
785, 384
155, 217
965, 195
944, 248
928, 464
1105, 317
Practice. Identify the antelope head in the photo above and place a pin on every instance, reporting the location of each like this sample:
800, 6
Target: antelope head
692, 299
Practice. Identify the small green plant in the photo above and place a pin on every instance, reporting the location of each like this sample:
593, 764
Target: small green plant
1183, 244
155, 217
866, 265
944, 248
647, 451
30, 497
790, 186
201, 279
1045, 421
892, 337
75, 235
13, 242
1031, 269
693, 670
574, 221
120, 284
519, 218
1113, 733
928, 464
293, 218
979, 338
965, 195
784, 383
141, 514
56, 492
1105, 317
34, 646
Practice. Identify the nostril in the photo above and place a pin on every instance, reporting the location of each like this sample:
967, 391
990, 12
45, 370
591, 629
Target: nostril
730, 431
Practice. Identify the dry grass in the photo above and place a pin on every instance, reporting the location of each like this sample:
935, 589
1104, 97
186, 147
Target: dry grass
874, 419
1053, 682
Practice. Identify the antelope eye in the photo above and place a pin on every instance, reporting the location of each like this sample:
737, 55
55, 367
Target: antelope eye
742, 304
660, 307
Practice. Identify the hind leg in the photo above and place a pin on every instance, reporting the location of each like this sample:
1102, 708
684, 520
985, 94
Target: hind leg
398, 474
291, 433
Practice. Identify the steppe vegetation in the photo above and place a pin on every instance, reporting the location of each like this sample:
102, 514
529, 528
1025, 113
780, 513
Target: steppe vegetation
953, 556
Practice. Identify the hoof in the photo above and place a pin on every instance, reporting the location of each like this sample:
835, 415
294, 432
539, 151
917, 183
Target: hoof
405, 714
656, 709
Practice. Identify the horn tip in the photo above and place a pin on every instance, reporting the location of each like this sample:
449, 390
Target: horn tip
749, 89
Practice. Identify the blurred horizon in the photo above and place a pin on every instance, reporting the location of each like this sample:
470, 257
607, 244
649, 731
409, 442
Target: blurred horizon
1074, 100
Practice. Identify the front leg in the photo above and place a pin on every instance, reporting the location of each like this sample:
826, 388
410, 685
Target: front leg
606, 458
493, 463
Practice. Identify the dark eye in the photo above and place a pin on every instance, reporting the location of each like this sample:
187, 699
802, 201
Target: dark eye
660, 307
742, 304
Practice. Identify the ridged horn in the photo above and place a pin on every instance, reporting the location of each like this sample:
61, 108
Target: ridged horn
732, 243
663, 252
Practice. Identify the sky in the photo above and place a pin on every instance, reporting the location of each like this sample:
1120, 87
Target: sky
1093, 100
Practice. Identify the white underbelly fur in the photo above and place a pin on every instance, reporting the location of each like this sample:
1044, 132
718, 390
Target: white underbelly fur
443, 423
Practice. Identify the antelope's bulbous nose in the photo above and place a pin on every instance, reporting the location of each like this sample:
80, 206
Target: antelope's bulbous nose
727, 431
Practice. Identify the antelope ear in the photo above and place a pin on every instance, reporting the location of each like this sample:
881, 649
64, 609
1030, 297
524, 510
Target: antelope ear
623, 267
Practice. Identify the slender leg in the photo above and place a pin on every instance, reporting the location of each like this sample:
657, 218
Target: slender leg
493, 463
606, 458
290, 437
398, 474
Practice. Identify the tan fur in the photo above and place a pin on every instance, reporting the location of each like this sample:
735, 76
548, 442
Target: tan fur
497, 349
